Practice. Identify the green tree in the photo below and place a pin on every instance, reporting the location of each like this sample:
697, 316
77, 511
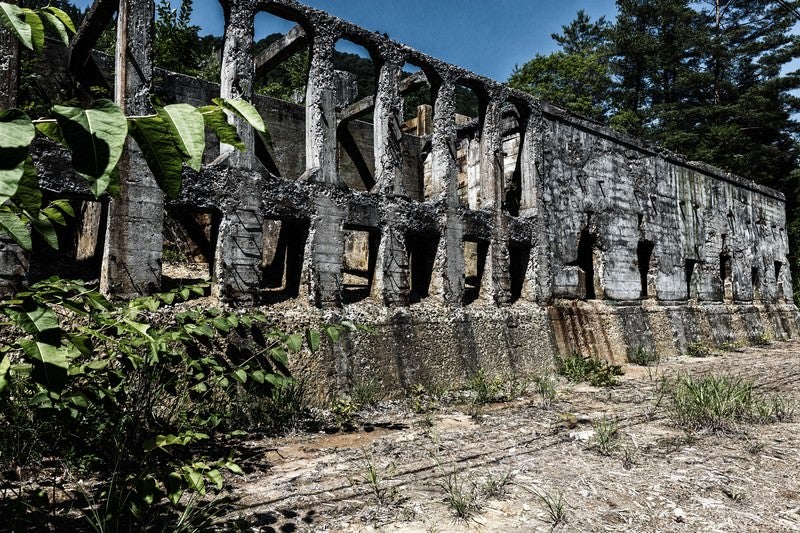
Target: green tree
578, 77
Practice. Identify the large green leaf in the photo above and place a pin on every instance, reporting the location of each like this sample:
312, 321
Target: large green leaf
244, 110
12, 225
34, 21
5, 366
56, 23
217, 121
29, 195
37, 321
188, 126
51, 363
44, 227
12, 17
96, 137
62, 16
16, 134
161, 151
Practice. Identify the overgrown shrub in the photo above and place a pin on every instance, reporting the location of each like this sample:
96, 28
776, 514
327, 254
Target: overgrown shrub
577, 368
141, 397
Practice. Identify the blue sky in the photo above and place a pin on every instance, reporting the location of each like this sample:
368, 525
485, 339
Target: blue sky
486, 37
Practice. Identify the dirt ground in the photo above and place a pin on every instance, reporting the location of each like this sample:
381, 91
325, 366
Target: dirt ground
506, 462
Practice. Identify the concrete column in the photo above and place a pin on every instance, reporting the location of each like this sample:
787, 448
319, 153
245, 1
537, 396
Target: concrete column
529, 174
491, 178
325, 254
388, 135
321, 110
391, 286
237, 265
133, 244
237, 73
13, 259
444, 174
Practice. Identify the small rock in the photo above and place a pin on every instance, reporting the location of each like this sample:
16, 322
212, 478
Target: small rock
679, 515
582, 436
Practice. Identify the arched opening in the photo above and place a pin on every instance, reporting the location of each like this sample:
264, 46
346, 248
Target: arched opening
417, 127
470, 111
282, 250
281, 61
355, 75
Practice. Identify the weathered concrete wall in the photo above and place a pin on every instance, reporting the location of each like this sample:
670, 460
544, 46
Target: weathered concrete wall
493, 242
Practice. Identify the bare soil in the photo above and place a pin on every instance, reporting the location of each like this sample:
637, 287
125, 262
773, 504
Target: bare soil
510, 459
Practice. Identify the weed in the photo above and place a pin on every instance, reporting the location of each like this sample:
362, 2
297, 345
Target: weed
628, 456
698, 349
718, 403
344, 411
763, 340
546, 389
734, 493
375, 478
365, 392
555, 506
461, 495
485, 389
577, 368
644, 357
606, 436
495, 486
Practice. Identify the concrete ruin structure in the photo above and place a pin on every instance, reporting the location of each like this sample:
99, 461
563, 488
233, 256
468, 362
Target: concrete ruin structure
492, 241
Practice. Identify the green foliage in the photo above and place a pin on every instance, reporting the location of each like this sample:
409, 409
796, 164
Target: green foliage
577, 368
698, 349
102, 386
606, 436
718, 403
484, 388
644, 357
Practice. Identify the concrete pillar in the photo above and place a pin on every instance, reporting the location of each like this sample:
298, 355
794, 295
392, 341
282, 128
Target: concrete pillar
444, 174
237, 265
133, 244
237, 73
529, 181
391, 286
491, 177
388, 135
325, 254
14, 261
321, 110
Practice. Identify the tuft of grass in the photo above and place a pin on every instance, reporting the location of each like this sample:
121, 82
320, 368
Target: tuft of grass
606, 436
375, 478
698, 349
496, 484
578, 368
555, 506
366, 392
545, 387
461, 494
718, 403
644, 357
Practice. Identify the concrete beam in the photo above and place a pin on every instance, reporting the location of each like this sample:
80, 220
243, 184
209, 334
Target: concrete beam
97, 19
321, 112
366, 104
281, 50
